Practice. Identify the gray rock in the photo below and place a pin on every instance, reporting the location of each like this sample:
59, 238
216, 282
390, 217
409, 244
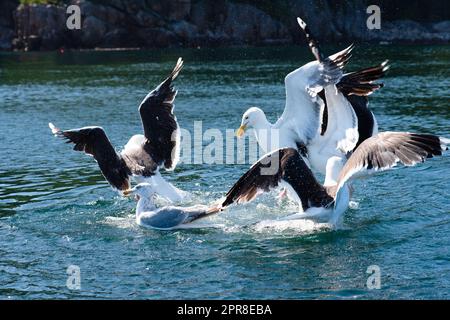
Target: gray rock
46, 22
180, 9
33, 43
208, 15
147, 19
185, 31
7, 8
407, 31
171, 9
406, 26
165, 23
245, 23
157, 37
107, 14
119, 37
132, 7
443, 26
93, 30
6, 38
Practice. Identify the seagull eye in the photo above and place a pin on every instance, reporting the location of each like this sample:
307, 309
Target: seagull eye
246, 117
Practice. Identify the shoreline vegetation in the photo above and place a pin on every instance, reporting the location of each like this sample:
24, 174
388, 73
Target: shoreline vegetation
40, 25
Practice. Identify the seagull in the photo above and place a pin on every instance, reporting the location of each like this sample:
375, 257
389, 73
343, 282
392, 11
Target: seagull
325, 113
166, 218
286, 168
144, 155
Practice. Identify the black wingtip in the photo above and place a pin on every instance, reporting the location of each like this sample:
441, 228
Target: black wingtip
313, 44
227, 202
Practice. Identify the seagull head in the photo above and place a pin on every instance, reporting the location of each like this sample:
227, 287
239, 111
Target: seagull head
142, 190
250, 119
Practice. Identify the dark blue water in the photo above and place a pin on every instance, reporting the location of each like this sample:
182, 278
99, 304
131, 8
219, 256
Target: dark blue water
56, 210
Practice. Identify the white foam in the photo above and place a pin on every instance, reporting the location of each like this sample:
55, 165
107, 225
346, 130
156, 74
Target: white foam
353, 205
121, 222
294, 225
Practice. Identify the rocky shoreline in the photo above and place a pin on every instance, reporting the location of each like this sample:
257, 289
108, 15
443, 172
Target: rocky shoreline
196, 23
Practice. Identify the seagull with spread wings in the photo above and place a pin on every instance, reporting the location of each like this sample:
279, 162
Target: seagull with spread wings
286, 168
144, 155
326, 112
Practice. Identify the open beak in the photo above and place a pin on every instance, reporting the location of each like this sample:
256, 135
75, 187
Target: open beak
127, 192
240, 132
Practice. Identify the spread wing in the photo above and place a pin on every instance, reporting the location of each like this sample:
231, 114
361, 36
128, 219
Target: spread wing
281, 167
160, 124
386, 149
93, 141
342, 122
356, 87
303, 107
362, 82
349, 93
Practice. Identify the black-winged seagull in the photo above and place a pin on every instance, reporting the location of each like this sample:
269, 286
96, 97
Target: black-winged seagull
286, 168
143, 155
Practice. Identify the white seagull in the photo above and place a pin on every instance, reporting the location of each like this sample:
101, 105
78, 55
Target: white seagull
326, 112
166, 218
143, 155
287, 168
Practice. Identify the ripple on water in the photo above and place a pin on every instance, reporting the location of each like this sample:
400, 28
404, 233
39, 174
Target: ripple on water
56, 209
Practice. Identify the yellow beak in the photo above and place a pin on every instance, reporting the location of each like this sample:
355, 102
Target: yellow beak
240, 132
127, 192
